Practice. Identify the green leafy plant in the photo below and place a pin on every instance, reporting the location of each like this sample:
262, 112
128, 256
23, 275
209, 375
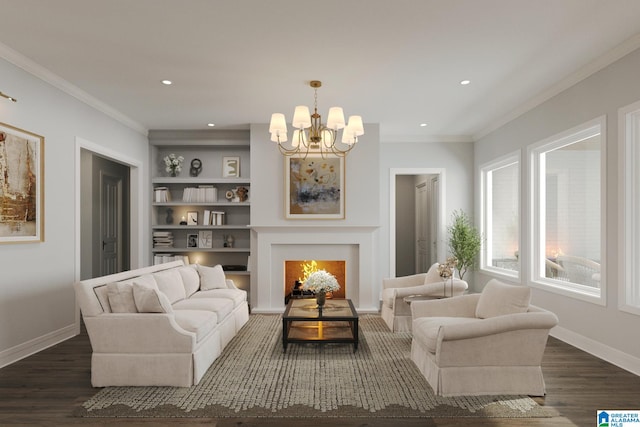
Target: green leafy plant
464, 242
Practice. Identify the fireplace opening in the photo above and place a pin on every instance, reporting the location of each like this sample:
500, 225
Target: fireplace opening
296, 272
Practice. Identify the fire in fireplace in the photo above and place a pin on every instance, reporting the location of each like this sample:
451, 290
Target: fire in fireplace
296, 272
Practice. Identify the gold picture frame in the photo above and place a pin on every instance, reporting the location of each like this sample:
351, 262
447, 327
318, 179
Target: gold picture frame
314, 187
21, 185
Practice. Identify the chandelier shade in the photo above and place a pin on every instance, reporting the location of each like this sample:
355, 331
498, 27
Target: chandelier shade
310, 135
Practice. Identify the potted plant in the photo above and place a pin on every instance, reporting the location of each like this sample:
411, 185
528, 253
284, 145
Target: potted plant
464, 242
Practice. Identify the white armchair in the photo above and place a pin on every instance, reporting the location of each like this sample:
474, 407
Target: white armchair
482, 344
396, 312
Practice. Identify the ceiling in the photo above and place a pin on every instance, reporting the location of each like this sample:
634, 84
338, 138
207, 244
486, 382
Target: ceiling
396, 63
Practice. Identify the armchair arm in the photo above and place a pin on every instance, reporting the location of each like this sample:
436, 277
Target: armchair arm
231, 284
435, 289
499, 324
138, 333
404, 281
509, 340
460, 306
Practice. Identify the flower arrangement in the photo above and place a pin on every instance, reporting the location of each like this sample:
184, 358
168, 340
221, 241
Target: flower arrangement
321, 281
445, 270
173, 164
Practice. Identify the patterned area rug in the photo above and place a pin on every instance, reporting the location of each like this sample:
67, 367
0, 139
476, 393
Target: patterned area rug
254, 378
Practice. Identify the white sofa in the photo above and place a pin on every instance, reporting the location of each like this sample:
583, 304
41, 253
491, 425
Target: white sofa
159, 326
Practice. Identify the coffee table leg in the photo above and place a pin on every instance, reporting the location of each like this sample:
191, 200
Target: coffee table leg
355, 335
285, 333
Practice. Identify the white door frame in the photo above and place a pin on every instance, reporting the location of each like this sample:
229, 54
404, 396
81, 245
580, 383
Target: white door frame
393, 172
136, 211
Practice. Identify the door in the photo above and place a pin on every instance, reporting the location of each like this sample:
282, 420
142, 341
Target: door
422, 228
110, 224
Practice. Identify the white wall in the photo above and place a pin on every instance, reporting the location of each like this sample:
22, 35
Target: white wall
361, 184
456, 158
603, 331
37, 302
362, 215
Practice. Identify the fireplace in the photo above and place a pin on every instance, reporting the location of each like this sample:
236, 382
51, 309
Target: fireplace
296, 272
276, 244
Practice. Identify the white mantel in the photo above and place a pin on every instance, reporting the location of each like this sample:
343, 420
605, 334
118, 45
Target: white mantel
275, 244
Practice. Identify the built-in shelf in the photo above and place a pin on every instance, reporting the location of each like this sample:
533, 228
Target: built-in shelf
228, 204
185, 250
199, 227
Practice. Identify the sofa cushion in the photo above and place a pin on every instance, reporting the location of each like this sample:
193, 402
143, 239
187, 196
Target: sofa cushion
200, 322
212, 277
170, 283
145, 278
221, 306
120, 297
150, 300
498, 299
190, 279
426, 329
238, 296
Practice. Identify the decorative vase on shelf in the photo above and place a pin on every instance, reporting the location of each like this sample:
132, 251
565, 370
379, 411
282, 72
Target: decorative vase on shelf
321, 298
173, 164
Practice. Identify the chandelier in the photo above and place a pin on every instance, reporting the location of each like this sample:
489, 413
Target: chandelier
310, 135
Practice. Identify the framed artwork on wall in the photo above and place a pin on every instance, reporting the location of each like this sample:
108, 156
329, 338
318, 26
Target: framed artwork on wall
192, 240
192, 218
314, 187
21, 185
231, 167
205, 239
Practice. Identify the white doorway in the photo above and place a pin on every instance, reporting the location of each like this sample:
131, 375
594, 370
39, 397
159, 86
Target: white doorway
416, 241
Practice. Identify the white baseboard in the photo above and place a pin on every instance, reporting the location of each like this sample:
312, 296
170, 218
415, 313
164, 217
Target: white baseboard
616, 357
35, 345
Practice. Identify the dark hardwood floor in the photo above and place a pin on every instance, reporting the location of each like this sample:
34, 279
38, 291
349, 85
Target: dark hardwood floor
45, 388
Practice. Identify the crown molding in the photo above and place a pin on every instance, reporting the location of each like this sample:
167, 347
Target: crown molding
431, 139
591, 68
44, 74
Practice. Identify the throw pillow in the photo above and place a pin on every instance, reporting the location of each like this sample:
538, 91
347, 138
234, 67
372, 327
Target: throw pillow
212, 277
498, 298
120, 297
170, 283
150, 300
190, 279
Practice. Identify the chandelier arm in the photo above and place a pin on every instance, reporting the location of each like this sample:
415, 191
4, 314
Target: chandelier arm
342, 153
294, 151
313, 140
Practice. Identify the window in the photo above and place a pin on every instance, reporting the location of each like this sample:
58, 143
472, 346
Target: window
567, 213
629, 300
500, 181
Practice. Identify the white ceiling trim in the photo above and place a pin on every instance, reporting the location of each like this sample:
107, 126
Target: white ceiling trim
44, 74
591, 68
426, 139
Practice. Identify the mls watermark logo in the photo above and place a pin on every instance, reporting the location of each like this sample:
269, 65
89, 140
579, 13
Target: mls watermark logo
618, 418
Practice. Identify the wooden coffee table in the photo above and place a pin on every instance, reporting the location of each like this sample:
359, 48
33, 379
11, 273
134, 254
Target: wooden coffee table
303, 322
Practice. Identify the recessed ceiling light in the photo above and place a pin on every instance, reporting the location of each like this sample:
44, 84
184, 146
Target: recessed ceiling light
423, 125
166, 82
465, 82
211, 124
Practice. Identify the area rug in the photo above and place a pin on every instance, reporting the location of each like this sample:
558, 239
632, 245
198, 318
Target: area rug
255, 378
